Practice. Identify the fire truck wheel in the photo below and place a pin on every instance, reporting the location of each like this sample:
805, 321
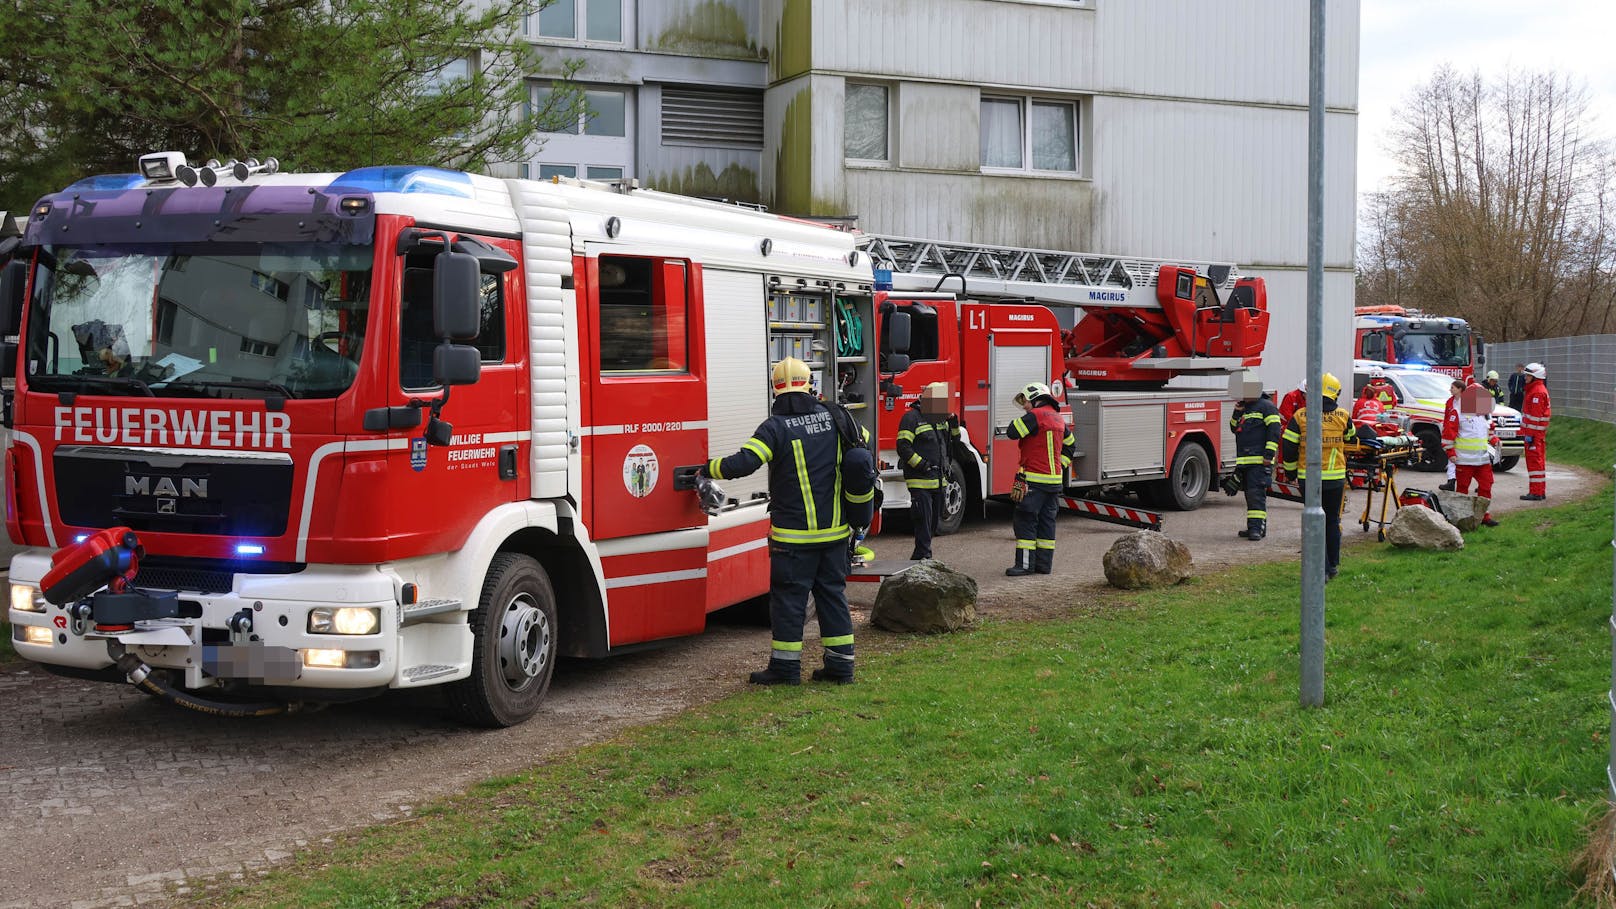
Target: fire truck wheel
1187, 482
955, 495
1505, 465
514, 645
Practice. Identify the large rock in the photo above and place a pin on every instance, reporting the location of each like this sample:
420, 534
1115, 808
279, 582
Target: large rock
1418, 527
1462, 511
930, 598
1147, 558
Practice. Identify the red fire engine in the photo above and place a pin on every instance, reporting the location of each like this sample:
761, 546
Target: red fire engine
1396, 336
396, 427
1138, 325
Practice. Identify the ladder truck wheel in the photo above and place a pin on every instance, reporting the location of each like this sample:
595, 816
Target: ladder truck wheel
1186, 484
956, 495
514, 648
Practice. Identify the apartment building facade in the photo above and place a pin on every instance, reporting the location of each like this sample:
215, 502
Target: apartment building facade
1162, 128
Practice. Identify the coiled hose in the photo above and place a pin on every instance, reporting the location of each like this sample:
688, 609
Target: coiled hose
140, 675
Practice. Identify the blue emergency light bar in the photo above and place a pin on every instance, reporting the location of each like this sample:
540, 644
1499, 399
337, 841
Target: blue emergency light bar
101, 182
402, 179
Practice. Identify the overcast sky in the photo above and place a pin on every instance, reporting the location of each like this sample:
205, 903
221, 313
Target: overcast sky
1404, 41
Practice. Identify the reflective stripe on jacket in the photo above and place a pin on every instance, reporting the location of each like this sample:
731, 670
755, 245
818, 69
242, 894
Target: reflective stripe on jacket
1256, 428
1047, 445
923, 446
1337, 432
800, 443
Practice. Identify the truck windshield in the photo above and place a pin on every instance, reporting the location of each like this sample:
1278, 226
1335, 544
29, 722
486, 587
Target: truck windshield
1448, 348
255, 320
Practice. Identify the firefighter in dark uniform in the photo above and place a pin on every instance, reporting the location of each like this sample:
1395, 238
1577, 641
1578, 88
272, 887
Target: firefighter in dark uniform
924, 442
808, 533
1257, 426
1337, 430
1047, 449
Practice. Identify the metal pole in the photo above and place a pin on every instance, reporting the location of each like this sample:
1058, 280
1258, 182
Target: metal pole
1313, 509
1610, 768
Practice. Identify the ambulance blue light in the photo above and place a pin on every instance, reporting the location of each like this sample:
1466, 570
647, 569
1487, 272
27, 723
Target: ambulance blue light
81, 538
883, 278
398, 179
108, 182
249, 549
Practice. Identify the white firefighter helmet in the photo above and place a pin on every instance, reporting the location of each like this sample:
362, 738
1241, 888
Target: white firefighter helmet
1031, 392
791, 374
1536, 371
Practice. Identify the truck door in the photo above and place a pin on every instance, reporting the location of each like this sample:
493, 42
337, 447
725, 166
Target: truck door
1015, 357
644, 376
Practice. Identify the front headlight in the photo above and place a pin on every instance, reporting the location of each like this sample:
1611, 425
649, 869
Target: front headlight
344, 620
26, 599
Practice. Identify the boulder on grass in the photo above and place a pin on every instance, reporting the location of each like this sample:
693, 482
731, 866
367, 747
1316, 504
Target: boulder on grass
930, 598
1418, 527
1147, 558
1462, 510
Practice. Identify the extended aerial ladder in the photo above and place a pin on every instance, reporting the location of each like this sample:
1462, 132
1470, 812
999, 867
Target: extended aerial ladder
1144, 320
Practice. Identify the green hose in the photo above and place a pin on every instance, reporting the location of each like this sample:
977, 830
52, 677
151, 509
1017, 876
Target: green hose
849, 330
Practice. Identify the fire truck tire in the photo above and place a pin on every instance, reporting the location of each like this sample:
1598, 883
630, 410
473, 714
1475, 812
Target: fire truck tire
956, 496
1505, 465
1186, 484
514, 645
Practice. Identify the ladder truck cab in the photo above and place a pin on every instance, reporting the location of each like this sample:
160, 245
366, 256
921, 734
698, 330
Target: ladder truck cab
1402, 337
988, 320
325, 435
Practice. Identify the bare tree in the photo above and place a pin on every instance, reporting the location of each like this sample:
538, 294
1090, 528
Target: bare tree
1500, 210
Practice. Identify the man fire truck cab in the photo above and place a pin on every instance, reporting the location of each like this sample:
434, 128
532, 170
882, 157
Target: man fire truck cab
1135, 326
396, 427
1398, 337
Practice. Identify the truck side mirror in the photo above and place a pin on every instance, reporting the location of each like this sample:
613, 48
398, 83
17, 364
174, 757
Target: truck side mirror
456, 364
13, 282
897, 335
895, 363
456, 297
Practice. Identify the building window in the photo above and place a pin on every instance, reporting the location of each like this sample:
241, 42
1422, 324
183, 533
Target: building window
603, 173
726, 118
1029, 134
864, 122
641, 315
605, 112
258, 348
546, 171
602, 21
442, 78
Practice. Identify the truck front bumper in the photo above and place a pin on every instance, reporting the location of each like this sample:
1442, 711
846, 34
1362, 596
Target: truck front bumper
274, 647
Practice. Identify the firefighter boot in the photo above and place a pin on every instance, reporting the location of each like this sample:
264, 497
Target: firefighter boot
1256, 529
1021, 567
838, 668
780, 672
1043, 561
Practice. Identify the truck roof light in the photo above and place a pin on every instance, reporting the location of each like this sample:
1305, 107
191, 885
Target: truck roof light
249, 549
161, 166
42, 210
400, 179
354, 205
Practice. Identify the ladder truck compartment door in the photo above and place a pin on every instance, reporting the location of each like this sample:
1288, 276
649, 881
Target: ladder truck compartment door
1015, 358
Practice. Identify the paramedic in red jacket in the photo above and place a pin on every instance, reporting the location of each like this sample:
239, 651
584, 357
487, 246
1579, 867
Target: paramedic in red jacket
1535, 429
1293, 401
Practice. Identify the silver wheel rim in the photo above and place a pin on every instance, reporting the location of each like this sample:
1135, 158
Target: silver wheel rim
524, 642
1192, 479
953, 498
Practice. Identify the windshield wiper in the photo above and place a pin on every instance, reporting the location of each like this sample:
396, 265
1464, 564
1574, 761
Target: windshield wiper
129, 382
257, 384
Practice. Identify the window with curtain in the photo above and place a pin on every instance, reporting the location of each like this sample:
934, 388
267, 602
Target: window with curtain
864, 122
1029, 134
1001, 132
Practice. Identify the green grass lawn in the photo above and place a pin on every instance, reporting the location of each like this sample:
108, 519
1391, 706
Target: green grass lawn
1139, 750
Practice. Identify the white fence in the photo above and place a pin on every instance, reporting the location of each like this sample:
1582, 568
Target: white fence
1582, 372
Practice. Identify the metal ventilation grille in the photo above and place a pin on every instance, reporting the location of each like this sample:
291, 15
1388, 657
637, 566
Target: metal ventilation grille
181, 577
730, 119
